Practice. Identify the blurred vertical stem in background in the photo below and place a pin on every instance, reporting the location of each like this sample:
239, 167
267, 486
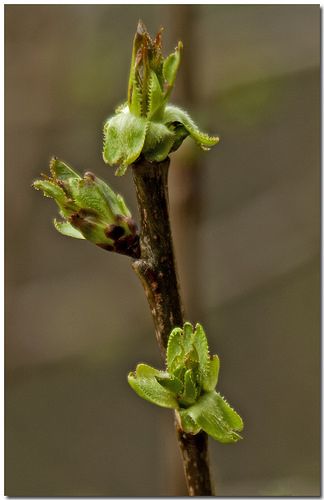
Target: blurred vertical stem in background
185, 184
156, 269
186, 176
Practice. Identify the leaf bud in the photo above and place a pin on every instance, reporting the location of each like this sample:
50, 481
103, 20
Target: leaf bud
90, 209
146, 125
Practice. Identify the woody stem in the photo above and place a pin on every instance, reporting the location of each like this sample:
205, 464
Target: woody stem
156, 269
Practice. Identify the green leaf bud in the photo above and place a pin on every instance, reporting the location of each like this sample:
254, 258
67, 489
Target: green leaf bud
146, 126
188, 385
90, 209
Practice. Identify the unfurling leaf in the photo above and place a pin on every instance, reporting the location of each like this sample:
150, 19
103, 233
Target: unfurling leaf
201, 346
66, 229
213, 415
188, 385
146, 126
90, 209
124, 137
145, 384
210, 377
175, 354
190, 390
170, 382
171, 66
173, 115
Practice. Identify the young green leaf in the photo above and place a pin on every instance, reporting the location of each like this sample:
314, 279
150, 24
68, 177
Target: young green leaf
180, 134
66, 229
155, 99
179, 372
158, 141
173, 114
145, 384
201, 345
51, 190
188, 336
113, 203
170, 382
190, 391
210, 377
88, 196
122, 206
136, 107
61, 170
175, 353
230, 416
209, 414
170, 67
124, 136
143, 370
188, 424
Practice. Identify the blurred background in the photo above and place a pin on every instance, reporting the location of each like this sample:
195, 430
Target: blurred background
246, 222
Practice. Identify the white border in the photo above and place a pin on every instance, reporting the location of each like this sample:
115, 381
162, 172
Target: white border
98, 2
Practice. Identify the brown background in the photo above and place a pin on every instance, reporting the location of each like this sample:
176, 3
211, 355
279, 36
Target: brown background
246, 228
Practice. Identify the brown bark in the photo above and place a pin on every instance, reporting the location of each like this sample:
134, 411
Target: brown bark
194, 451
157, 271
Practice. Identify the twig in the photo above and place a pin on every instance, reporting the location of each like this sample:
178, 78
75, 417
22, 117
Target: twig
157, 271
